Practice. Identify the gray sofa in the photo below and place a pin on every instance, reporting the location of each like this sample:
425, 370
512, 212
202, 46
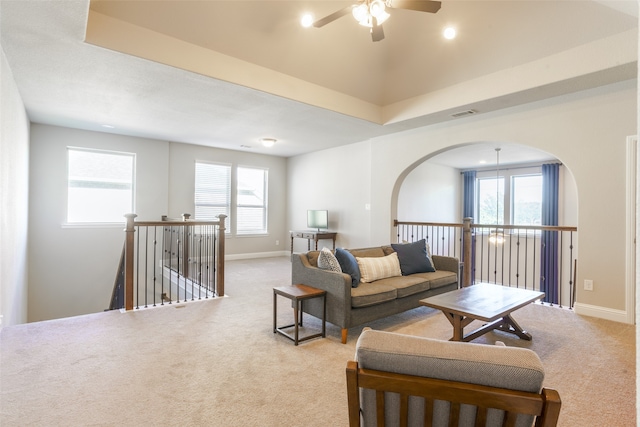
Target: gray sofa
348, 306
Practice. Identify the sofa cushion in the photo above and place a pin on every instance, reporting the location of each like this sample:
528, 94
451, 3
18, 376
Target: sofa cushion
349, 265
407, 285
438, 279
328, 261
312, 257
367, 252
374, 268
372, 293
495, 366
413, 257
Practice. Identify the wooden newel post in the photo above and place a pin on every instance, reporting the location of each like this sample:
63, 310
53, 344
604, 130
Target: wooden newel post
220, 257
466, 243
129, 249
185, 246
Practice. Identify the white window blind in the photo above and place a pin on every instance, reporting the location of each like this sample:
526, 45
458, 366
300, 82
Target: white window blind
212, 191
100, 185
252, 200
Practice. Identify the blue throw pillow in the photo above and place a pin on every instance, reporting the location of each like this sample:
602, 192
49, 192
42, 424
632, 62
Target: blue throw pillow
349, 265
413, 257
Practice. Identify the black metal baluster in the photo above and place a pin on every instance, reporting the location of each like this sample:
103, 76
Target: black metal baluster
146, 265
560, 270
155, 271
518, 260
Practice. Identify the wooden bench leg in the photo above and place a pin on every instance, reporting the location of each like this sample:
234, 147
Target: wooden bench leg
344, 335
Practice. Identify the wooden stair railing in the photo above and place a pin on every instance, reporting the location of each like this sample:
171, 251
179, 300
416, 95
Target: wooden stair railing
140, 257
514, 262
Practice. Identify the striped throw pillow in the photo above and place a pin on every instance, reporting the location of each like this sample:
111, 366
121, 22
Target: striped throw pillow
375, 268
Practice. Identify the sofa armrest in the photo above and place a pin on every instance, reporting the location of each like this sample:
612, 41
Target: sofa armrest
337, 285
446, 263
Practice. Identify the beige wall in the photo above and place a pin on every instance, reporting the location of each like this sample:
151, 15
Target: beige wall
337, 180
72, 269
431, 193
183, 158
586, 131
14, 182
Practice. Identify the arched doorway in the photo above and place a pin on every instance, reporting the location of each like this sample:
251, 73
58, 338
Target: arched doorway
507, 182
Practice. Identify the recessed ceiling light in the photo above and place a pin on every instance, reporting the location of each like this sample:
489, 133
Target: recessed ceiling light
108, 126
449, 33
268, 142
307, 20
482, 162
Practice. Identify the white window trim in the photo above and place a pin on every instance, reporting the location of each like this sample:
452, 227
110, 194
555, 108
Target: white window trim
100, 224
228, 227
253, 233
507, 174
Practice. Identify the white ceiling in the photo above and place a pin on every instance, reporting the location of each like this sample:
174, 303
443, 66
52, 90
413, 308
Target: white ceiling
255, 72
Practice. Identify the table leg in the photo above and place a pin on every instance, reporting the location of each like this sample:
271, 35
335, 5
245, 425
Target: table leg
295, 321
509, 324
275, 311
324, 315
301, 310
457, 328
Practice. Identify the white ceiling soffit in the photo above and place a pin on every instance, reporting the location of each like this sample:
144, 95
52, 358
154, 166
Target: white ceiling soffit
332, 86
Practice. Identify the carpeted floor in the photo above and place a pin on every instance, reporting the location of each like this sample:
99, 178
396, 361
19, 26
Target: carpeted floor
218, 363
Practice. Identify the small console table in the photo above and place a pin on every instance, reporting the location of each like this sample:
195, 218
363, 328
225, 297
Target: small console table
311, 235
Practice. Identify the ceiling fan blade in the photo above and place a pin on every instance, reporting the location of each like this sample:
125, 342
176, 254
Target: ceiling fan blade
377, 33
420, 6
330, 18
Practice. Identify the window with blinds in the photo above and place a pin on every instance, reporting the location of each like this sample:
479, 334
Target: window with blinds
100, 185
212, 191
251, 200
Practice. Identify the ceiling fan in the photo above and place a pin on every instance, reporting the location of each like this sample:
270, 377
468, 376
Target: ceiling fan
372, 13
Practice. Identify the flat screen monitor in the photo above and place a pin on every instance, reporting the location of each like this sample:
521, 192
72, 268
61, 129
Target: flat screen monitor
318, 219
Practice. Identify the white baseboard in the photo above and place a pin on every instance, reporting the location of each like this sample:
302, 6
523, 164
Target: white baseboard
258, 255
601, 312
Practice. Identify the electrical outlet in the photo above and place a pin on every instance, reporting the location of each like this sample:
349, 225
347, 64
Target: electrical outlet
588, 285
277, 242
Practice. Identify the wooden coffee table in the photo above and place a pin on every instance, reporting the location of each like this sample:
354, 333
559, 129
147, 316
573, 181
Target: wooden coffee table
485, 302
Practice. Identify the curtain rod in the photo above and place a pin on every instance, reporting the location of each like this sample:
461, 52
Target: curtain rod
526, 166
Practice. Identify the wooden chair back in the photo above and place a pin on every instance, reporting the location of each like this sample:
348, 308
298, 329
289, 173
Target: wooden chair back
544, 406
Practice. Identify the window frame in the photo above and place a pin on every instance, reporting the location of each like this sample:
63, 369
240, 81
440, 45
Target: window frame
93, 224
264, 206
229, 194
507, 174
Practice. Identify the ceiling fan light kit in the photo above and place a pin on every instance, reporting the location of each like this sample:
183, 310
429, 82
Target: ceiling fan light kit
366, 12
372, 13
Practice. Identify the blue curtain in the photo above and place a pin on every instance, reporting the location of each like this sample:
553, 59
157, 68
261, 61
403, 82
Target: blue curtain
549, 280
467, 212
469, 193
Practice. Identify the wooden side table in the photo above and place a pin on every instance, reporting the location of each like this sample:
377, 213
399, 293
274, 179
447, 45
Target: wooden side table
298, 294
313, 236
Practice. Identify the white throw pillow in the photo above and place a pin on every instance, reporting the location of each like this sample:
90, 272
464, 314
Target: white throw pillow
375, 268
328, 261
